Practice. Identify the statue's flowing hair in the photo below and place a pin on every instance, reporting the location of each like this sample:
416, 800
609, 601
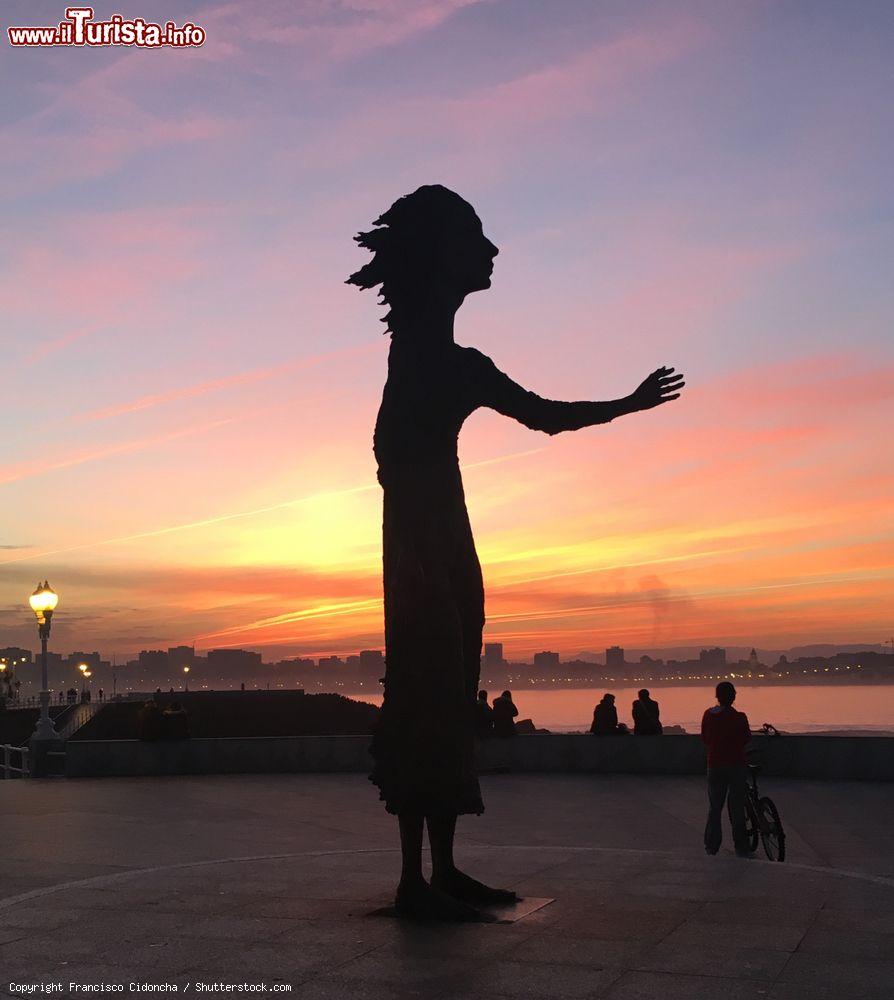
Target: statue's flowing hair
406, 248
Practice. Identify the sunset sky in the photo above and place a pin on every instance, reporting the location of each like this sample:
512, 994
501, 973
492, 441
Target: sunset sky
189, 388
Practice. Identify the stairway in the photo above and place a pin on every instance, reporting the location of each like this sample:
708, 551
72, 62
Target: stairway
78, 716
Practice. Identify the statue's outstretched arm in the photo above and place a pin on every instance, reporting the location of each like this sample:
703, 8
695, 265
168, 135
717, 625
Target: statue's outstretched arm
500, 393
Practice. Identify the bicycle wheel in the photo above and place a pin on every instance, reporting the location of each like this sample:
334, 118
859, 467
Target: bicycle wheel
751, 824
771, 832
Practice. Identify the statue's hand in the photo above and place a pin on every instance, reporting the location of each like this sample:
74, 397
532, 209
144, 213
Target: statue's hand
660, 387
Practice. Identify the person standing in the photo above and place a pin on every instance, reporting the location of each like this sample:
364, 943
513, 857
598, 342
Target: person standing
726, 733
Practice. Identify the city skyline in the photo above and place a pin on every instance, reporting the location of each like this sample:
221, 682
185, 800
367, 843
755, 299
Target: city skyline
614, 655
194, 387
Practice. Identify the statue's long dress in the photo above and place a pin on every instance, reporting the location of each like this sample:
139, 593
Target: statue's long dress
423, 746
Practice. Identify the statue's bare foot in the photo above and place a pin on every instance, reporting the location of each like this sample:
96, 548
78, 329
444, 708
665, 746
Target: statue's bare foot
421, 901
463, 887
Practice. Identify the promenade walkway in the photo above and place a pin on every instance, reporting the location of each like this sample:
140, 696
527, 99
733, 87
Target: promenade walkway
269, 879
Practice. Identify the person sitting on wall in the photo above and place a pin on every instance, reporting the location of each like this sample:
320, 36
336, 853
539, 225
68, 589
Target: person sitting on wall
646, 715
149, 721
484, 717
504, 711
175, 723
605, 718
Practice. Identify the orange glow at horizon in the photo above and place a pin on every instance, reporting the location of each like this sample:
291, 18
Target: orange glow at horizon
569, 565
190, 388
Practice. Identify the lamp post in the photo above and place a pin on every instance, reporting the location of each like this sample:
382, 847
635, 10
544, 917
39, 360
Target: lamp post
83, 668
43, 603
186, 678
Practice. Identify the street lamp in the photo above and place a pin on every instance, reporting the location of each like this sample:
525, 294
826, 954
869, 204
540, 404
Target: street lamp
83, 668
43, 603
186, 678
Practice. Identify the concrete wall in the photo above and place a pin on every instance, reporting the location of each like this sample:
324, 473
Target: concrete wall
865, 758
262, 755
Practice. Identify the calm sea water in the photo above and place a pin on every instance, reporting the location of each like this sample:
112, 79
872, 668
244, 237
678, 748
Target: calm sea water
795, 709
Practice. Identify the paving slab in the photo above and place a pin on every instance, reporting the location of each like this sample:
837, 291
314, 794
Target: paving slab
270, 880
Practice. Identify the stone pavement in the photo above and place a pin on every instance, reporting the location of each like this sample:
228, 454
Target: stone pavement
269, 879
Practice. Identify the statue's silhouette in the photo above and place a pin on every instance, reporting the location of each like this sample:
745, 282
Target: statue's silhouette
430, 252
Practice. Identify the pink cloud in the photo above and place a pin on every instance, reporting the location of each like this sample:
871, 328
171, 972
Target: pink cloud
596, 78
92, 126
330, 32
84, 273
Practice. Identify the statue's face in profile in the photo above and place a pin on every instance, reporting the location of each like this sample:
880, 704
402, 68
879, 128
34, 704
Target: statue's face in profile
467, 254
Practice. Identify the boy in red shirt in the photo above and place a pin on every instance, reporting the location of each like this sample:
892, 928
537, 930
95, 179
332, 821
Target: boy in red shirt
725, 733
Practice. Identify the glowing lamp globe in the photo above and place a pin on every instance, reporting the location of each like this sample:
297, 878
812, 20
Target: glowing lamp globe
43, 602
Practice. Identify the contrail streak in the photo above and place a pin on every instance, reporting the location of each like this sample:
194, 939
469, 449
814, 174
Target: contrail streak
324, 611
213, 385
24, 470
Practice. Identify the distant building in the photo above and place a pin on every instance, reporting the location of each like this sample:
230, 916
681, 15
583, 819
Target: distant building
493, 654
181, 656
153, 660
781, 665
752, 659
229, 662
353, 661
649, 663
712, 659
372, 663
614, 658
93, 660
546, 660
14, 656
331, 661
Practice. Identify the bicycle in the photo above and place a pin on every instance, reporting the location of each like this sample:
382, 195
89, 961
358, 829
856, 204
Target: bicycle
762, 820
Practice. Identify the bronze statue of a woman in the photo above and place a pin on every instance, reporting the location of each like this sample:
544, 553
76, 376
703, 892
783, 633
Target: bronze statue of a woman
430, 252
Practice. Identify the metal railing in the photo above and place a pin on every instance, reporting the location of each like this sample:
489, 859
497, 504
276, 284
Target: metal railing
9, 770
77, 716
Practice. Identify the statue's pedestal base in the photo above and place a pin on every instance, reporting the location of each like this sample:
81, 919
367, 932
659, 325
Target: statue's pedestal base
504, 914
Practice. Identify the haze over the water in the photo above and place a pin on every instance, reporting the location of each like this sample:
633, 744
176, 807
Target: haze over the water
189, 388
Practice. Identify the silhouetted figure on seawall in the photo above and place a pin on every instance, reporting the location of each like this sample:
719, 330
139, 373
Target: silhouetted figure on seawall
484, 717
726, 733
504, 715
605, 719
646, 715
430, 252
149, 721
175, 722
